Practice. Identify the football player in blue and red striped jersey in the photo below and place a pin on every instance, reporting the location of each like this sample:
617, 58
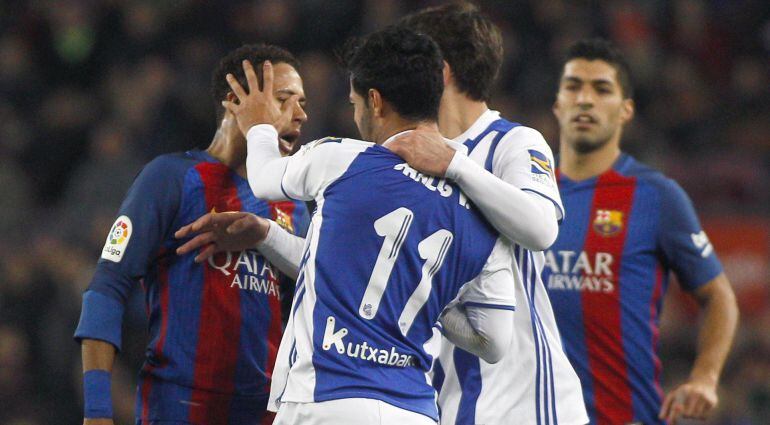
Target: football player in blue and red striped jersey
214, 326
626, 228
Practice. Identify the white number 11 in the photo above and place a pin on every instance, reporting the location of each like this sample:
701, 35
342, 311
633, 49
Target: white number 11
394, 227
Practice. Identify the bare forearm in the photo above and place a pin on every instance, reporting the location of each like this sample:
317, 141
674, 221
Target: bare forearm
717, 331
97, 355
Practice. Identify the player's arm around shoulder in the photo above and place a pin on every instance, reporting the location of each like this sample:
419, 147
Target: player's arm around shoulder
519, 197
691, 255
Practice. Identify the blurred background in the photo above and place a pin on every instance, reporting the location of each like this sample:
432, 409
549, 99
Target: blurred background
91, 90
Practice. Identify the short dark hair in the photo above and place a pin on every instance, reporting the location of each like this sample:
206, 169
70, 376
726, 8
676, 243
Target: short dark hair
470, 42
404, 66
232, 63
601, 49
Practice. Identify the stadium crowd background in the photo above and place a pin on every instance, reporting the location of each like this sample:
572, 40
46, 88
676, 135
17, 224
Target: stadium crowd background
90, 90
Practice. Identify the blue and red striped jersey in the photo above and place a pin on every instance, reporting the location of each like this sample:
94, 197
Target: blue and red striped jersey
214, 327
606, 275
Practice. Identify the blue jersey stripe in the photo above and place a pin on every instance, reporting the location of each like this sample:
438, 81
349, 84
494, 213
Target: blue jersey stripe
470, 382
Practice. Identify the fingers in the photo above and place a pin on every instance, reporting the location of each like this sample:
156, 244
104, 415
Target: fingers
267, 77
193, 227
665, 408
251, 76
689, 405
238, 226
235, 86
206, 253
196, 242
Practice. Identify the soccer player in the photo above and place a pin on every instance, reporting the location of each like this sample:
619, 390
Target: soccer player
607, 273
509, 175
214, 326
388, 249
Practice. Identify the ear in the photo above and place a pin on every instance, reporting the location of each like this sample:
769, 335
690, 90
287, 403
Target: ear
375, 102
447, 73
627, 110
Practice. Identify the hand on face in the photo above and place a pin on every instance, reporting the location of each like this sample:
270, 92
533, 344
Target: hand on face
259, 106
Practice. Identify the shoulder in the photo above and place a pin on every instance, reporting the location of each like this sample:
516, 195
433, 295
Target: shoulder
520, 139
668, 195
332, 148
170, 165
165, 172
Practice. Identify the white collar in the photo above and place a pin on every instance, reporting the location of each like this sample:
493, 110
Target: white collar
394, 136
488, 117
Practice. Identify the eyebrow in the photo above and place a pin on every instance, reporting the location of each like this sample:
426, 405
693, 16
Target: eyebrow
595, 81
290, 92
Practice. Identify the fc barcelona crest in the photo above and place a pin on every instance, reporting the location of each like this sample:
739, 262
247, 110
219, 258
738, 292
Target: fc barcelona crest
284, 220
608, 222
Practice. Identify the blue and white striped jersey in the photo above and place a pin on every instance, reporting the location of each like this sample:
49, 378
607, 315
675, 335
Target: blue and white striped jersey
387, 250
534, 382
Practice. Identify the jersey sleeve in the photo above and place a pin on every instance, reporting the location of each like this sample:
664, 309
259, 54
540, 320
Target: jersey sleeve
685, 247
494, 287
524, 159
316, 165
144, 220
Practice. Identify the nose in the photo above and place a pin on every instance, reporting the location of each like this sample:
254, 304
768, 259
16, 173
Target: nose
585, 97
299, 113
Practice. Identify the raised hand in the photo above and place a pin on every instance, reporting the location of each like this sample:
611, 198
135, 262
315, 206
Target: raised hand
227, 231
258, 106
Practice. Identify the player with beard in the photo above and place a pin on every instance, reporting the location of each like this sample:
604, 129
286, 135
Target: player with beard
607, 273
214, 326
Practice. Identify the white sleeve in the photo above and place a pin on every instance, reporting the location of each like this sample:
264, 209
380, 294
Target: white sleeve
523, 203
301, 176
484, 332
494, 287
283, 249
264, 164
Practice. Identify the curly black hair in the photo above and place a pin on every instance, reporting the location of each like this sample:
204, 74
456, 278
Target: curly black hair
404, 66
232, 63
470, 42
601, 49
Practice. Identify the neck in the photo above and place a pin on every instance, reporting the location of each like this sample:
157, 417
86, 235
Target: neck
392, 127
229, 148
580, 166
458, 113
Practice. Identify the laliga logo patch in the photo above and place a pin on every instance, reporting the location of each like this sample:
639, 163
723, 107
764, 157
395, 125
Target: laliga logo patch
117, 239
540, 167
608, 222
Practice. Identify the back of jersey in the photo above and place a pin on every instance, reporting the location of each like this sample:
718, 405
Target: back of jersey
388, 249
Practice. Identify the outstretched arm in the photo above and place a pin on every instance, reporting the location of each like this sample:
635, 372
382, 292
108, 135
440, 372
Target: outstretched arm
236, 231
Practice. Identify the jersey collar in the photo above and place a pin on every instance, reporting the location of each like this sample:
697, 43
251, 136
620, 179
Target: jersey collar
488, 117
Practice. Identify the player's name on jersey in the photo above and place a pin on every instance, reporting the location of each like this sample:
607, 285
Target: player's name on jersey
363, 350
249, 269
570, 270
432, 183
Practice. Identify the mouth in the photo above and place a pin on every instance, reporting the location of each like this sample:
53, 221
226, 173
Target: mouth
287, 141
584, 120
